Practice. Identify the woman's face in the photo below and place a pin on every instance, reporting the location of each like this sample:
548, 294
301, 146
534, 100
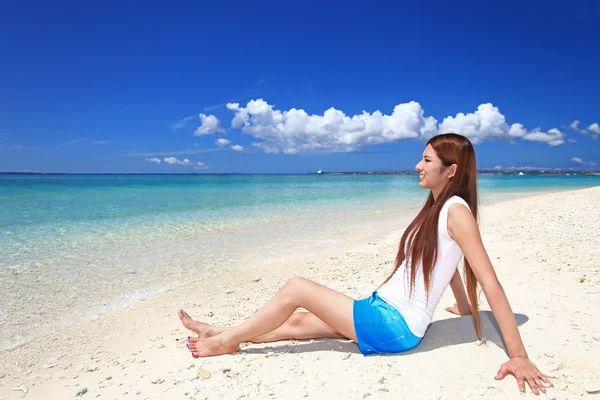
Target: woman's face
432, 173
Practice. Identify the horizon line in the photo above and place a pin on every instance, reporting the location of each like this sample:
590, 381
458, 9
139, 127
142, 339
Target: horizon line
367, 172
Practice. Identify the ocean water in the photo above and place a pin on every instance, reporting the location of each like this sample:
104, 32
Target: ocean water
75, 246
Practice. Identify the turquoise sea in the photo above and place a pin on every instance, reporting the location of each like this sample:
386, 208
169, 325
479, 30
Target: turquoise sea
75, 246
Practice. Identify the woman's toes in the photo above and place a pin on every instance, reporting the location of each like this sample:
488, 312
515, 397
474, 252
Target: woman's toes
183, 314
193, 339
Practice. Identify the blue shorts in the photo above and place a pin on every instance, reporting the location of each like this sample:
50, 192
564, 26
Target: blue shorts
380, 328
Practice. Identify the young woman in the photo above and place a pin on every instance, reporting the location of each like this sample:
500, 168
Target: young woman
395, 317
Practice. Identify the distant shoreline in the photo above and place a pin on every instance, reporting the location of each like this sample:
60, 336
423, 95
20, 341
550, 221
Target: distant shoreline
480, 172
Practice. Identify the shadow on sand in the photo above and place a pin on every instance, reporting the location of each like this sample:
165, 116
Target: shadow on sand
442, 333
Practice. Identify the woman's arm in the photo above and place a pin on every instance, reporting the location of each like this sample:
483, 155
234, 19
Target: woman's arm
462, 227
461, 307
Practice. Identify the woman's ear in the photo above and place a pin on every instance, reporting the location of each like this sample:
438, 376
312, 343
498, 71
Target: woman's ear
451, 170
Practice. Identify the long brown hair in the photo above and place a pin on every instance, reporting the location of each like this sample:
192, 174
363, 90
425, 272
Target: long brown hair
422, 233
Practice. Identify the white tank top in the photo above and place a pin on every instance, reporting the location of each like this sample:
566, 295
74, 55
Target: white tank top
416, 310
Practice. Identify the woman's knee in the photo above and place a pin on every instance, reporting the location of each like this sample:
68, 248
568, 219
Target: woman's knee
293, 285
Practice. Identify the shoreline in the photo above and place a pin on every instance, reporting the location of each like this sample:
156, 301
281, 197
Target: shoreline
114, 344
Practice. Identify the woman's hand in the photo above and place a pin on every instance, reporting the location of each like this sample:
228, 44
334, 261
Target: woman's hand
455, 310
524, 370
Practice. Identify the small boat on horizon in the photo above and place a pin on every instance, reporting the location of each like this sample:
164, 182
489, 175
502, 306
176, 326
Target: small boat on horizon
319, 172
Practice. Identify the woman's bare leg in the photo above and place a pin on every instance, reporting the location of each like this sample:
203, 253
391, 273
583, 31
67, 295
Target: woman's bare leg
332, 308
300, 325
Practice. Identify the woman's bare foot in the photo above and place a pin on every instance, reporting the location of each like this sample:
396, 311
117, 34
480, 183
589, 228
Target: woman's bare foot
212, 346
202, 329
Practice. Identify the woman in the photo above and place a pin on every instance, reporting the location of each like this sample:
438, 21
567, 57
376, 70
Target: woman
394, 318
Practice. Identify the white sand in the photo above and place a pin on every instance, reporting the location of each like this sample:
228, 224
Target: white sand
546, 252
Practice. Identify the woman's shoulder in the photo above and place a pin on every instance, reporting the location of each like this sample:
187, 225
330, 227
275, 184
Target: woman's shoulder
456, 200
460, 218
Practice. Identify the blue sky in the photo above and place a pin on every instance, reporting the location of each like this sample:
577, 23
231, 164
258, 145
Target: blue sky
109, 87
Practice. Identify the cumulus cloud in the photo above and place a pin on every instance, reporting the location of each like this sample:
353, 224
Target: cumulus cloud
553, 137
153, 160
575, 126
222, 142
209, 125
100, 142
237, 147
497, 167
185, 161
175, 160
578, 160
486, 122
594, 129
296, 132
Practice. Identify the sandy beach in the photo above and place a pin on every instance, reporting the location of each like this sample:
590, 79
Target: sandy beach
545, 250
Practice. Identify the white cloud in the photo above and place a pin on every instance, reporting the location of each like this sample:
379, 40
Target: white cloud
486, 122
296, 132
153, 160
553, 137
575, 126
498, 167
209, 125
100, 142
186, 162
182, 122
222, 142
237, 147
572, 140
594, 128
517, 131
578, 160
174, 160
